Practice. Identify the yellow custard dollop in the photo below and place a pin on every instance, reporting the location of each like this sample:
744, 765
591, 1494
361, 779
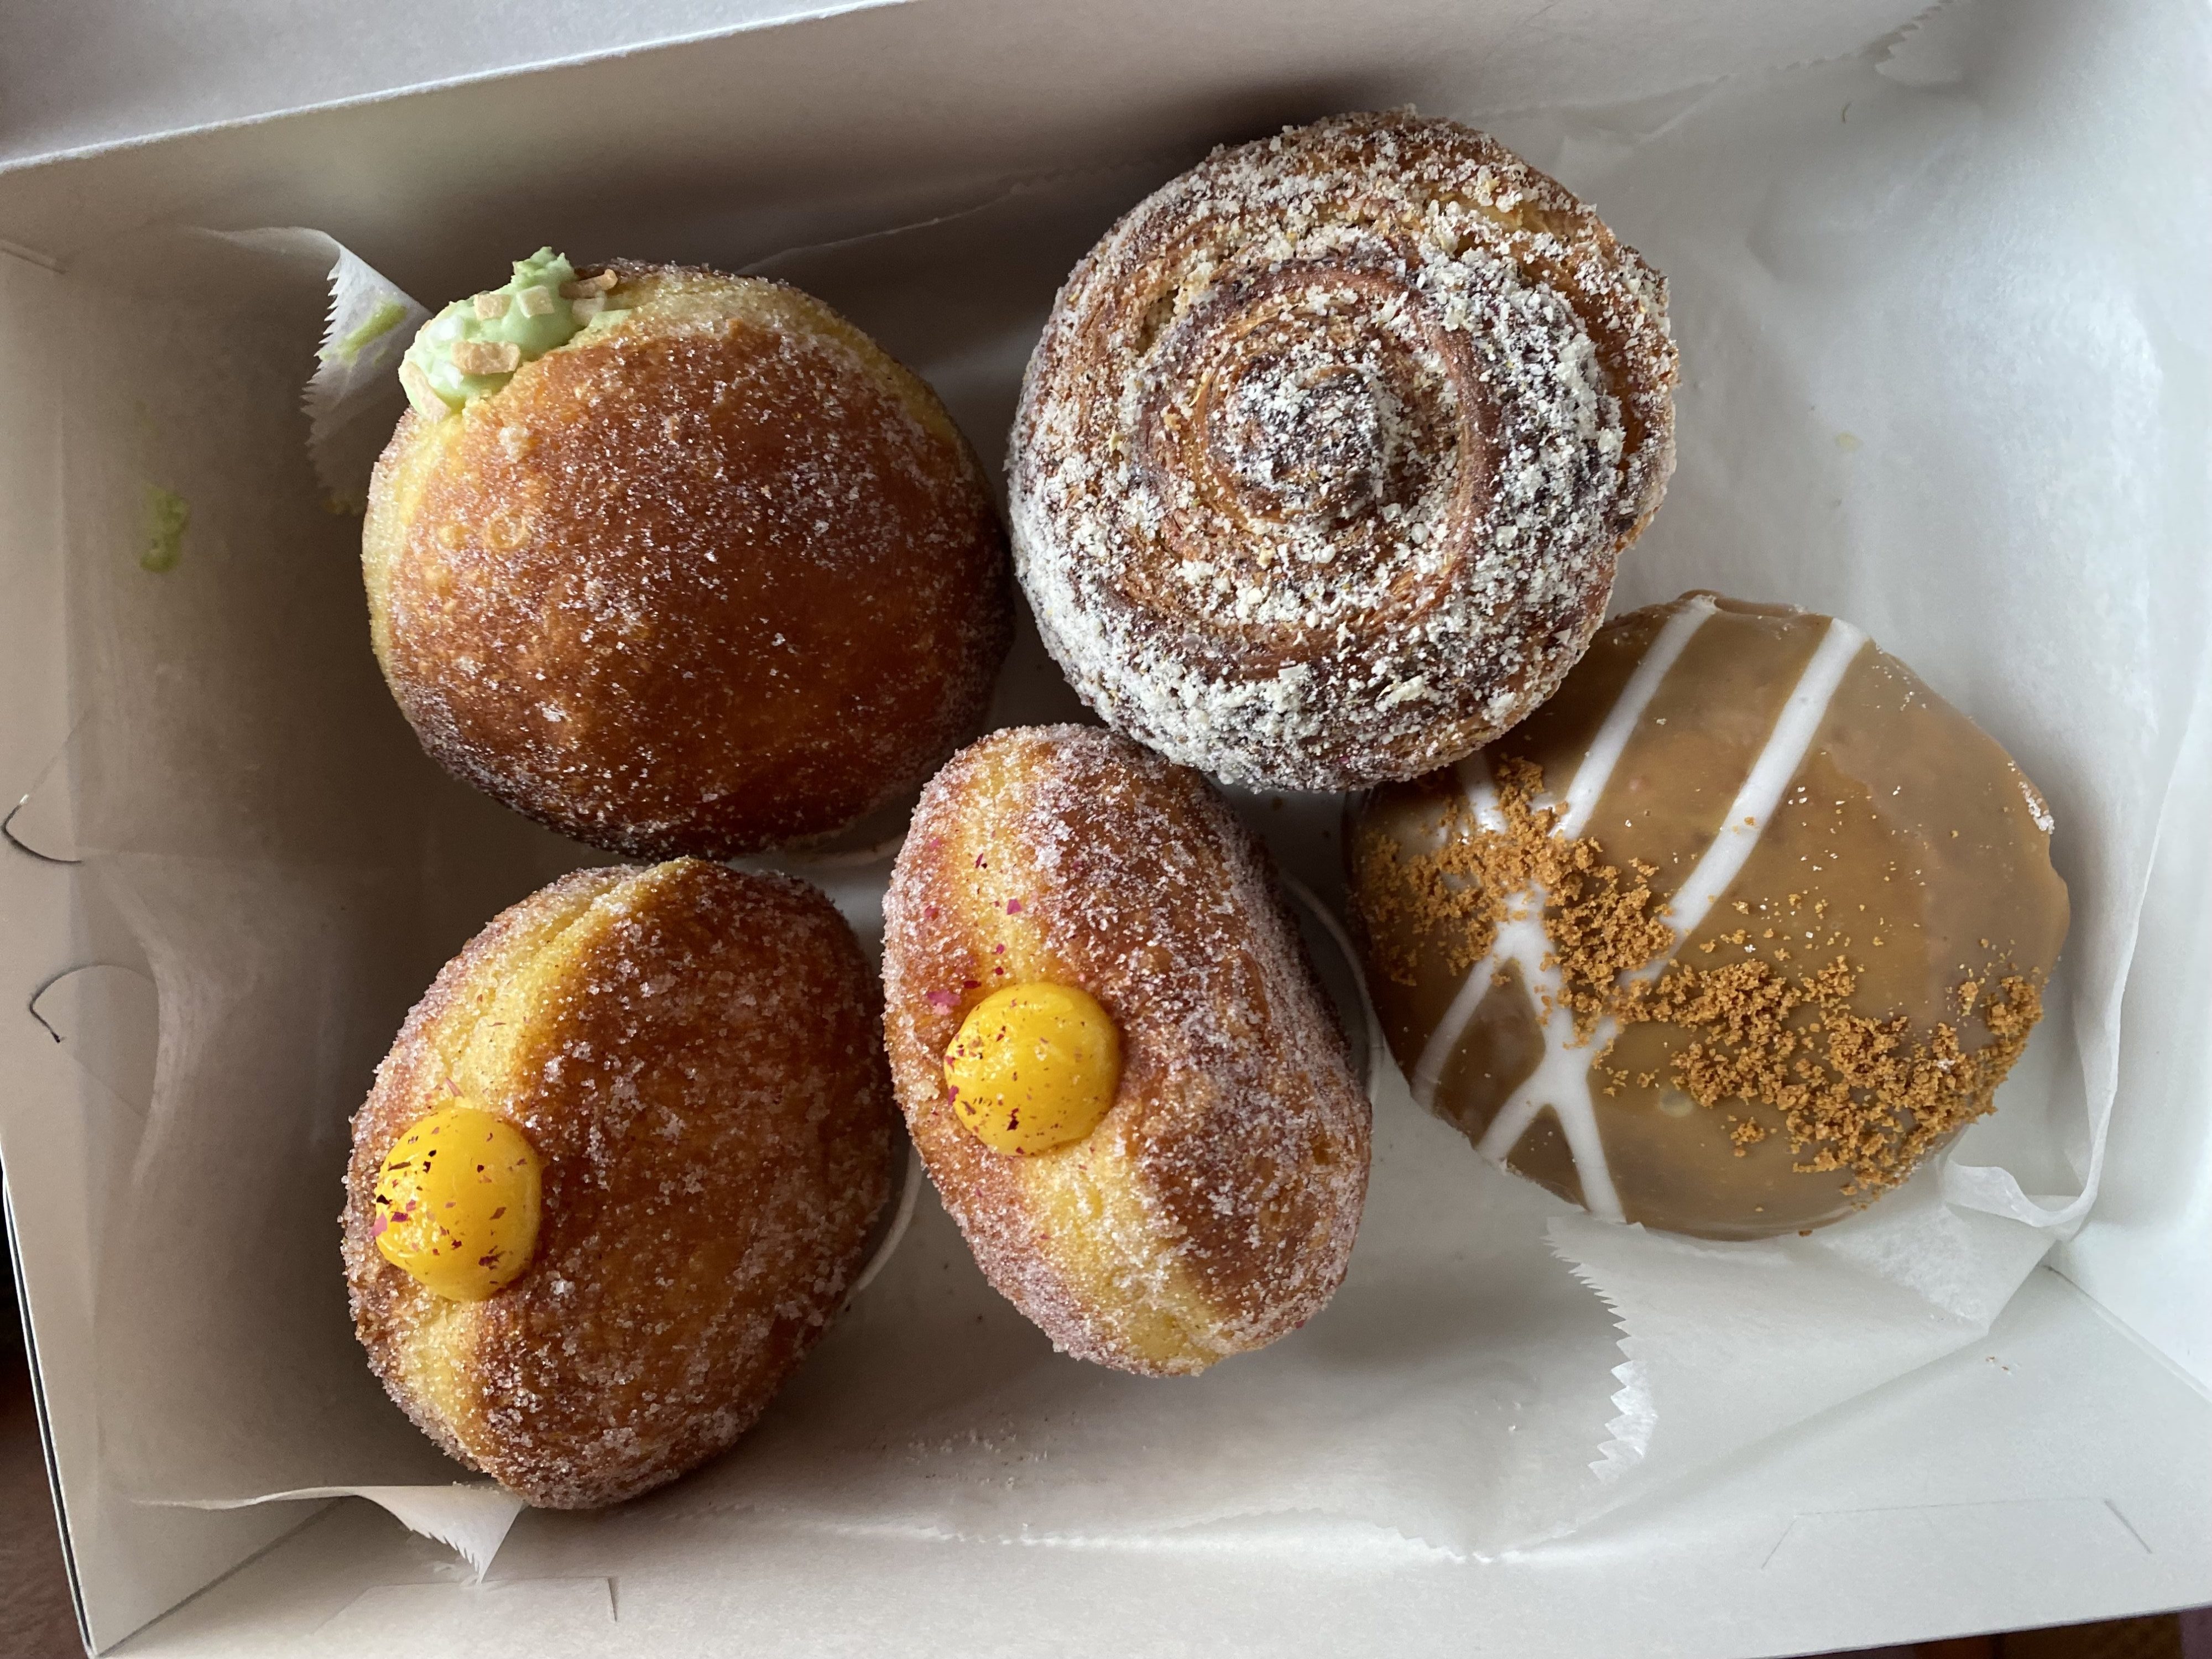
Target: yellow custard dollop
456, 1200
1034, 1067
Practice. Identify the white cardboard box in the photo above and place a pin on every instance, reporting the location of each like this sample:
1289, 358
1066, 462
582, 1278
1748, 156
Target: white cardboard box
214, 742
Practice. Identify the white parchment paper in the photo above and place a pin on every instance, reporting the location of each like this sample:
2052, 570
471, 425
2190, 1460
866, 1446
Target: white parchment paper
1927, 385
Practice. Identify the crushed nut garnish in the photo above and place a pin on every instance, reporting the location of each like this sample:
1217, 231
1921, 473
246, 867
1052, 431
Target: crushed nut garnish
421, 394
1854, 1093
489, 356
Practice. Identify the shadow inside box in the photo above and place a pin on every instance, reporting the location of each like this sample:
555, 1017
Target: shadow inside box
1432, 1386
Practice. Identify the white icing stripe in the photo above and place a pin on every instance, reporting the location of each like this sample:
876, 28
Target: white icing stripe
1474, 774
1436, 1052
1561, 1080
1529, 948
1590, 779
1481, 792
1605, 750
1755, 802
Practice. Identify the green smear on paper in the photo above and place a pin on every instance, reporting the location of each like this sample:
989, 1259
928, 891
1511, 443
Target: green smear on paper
388, 315
167, 515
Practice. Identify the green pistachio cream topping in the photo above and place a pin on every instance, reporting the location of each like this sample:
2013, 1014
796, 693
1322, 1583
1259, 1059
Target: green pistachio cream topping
472, 347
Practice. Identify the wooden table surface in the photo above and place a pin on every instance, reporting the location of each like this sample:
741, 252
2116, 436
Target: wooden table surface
35, 1618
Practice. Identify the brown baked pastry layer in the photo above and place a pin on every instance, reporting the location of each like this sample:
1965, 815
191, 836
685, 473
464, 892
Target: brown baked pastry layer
1213, 1208
717, 575
1323, 462
693, 1053
1734, 932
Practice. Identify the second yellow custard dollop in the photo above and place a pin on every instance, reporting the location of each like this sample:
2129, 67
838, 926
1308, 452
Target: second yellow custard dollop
1034, 1067
457, 1201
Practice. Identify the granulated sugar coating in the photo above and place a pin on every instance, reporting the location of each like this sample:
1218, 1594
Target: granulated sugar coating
717, 575
693, 1053
1212, 1210
1325, 458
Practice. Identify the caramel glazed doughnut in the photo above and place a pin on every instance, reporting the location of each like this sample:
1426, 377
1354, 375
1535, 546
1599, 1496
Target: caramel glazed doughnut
710, 574
1741, 927
1211, 1208
1324, 460
664, 1119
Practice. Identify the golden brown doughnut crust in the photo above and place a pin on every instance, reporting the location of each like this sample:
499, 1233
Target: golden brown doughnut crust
1326, 455
692, 1052
1213, 1209
718, 574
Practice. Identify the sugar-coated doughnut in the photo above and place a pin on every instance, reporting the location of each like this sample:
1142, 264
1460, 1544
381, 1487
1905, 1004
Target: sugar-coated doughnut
703, 573
1740, 927
1113, 1056
617, 1173
1324, 460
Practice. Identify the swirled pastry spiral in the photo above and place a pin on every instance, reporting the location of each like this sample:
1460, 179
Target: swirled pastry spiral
1325, 457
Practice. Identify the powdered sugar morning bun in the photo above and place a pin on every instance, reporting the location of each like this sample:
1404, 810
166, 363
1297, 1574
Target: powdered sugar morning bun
714, 575
1324, 460
1212, 1208
691, 1055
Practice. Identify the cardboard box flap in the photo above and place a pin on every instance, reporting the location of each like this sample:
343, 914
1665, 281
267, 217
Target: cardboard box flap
1937, 263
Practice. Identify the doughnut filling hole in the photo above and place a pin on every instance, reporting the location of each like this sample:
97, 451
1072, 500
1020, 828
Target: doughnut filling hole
1034, 1069
457, 1203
